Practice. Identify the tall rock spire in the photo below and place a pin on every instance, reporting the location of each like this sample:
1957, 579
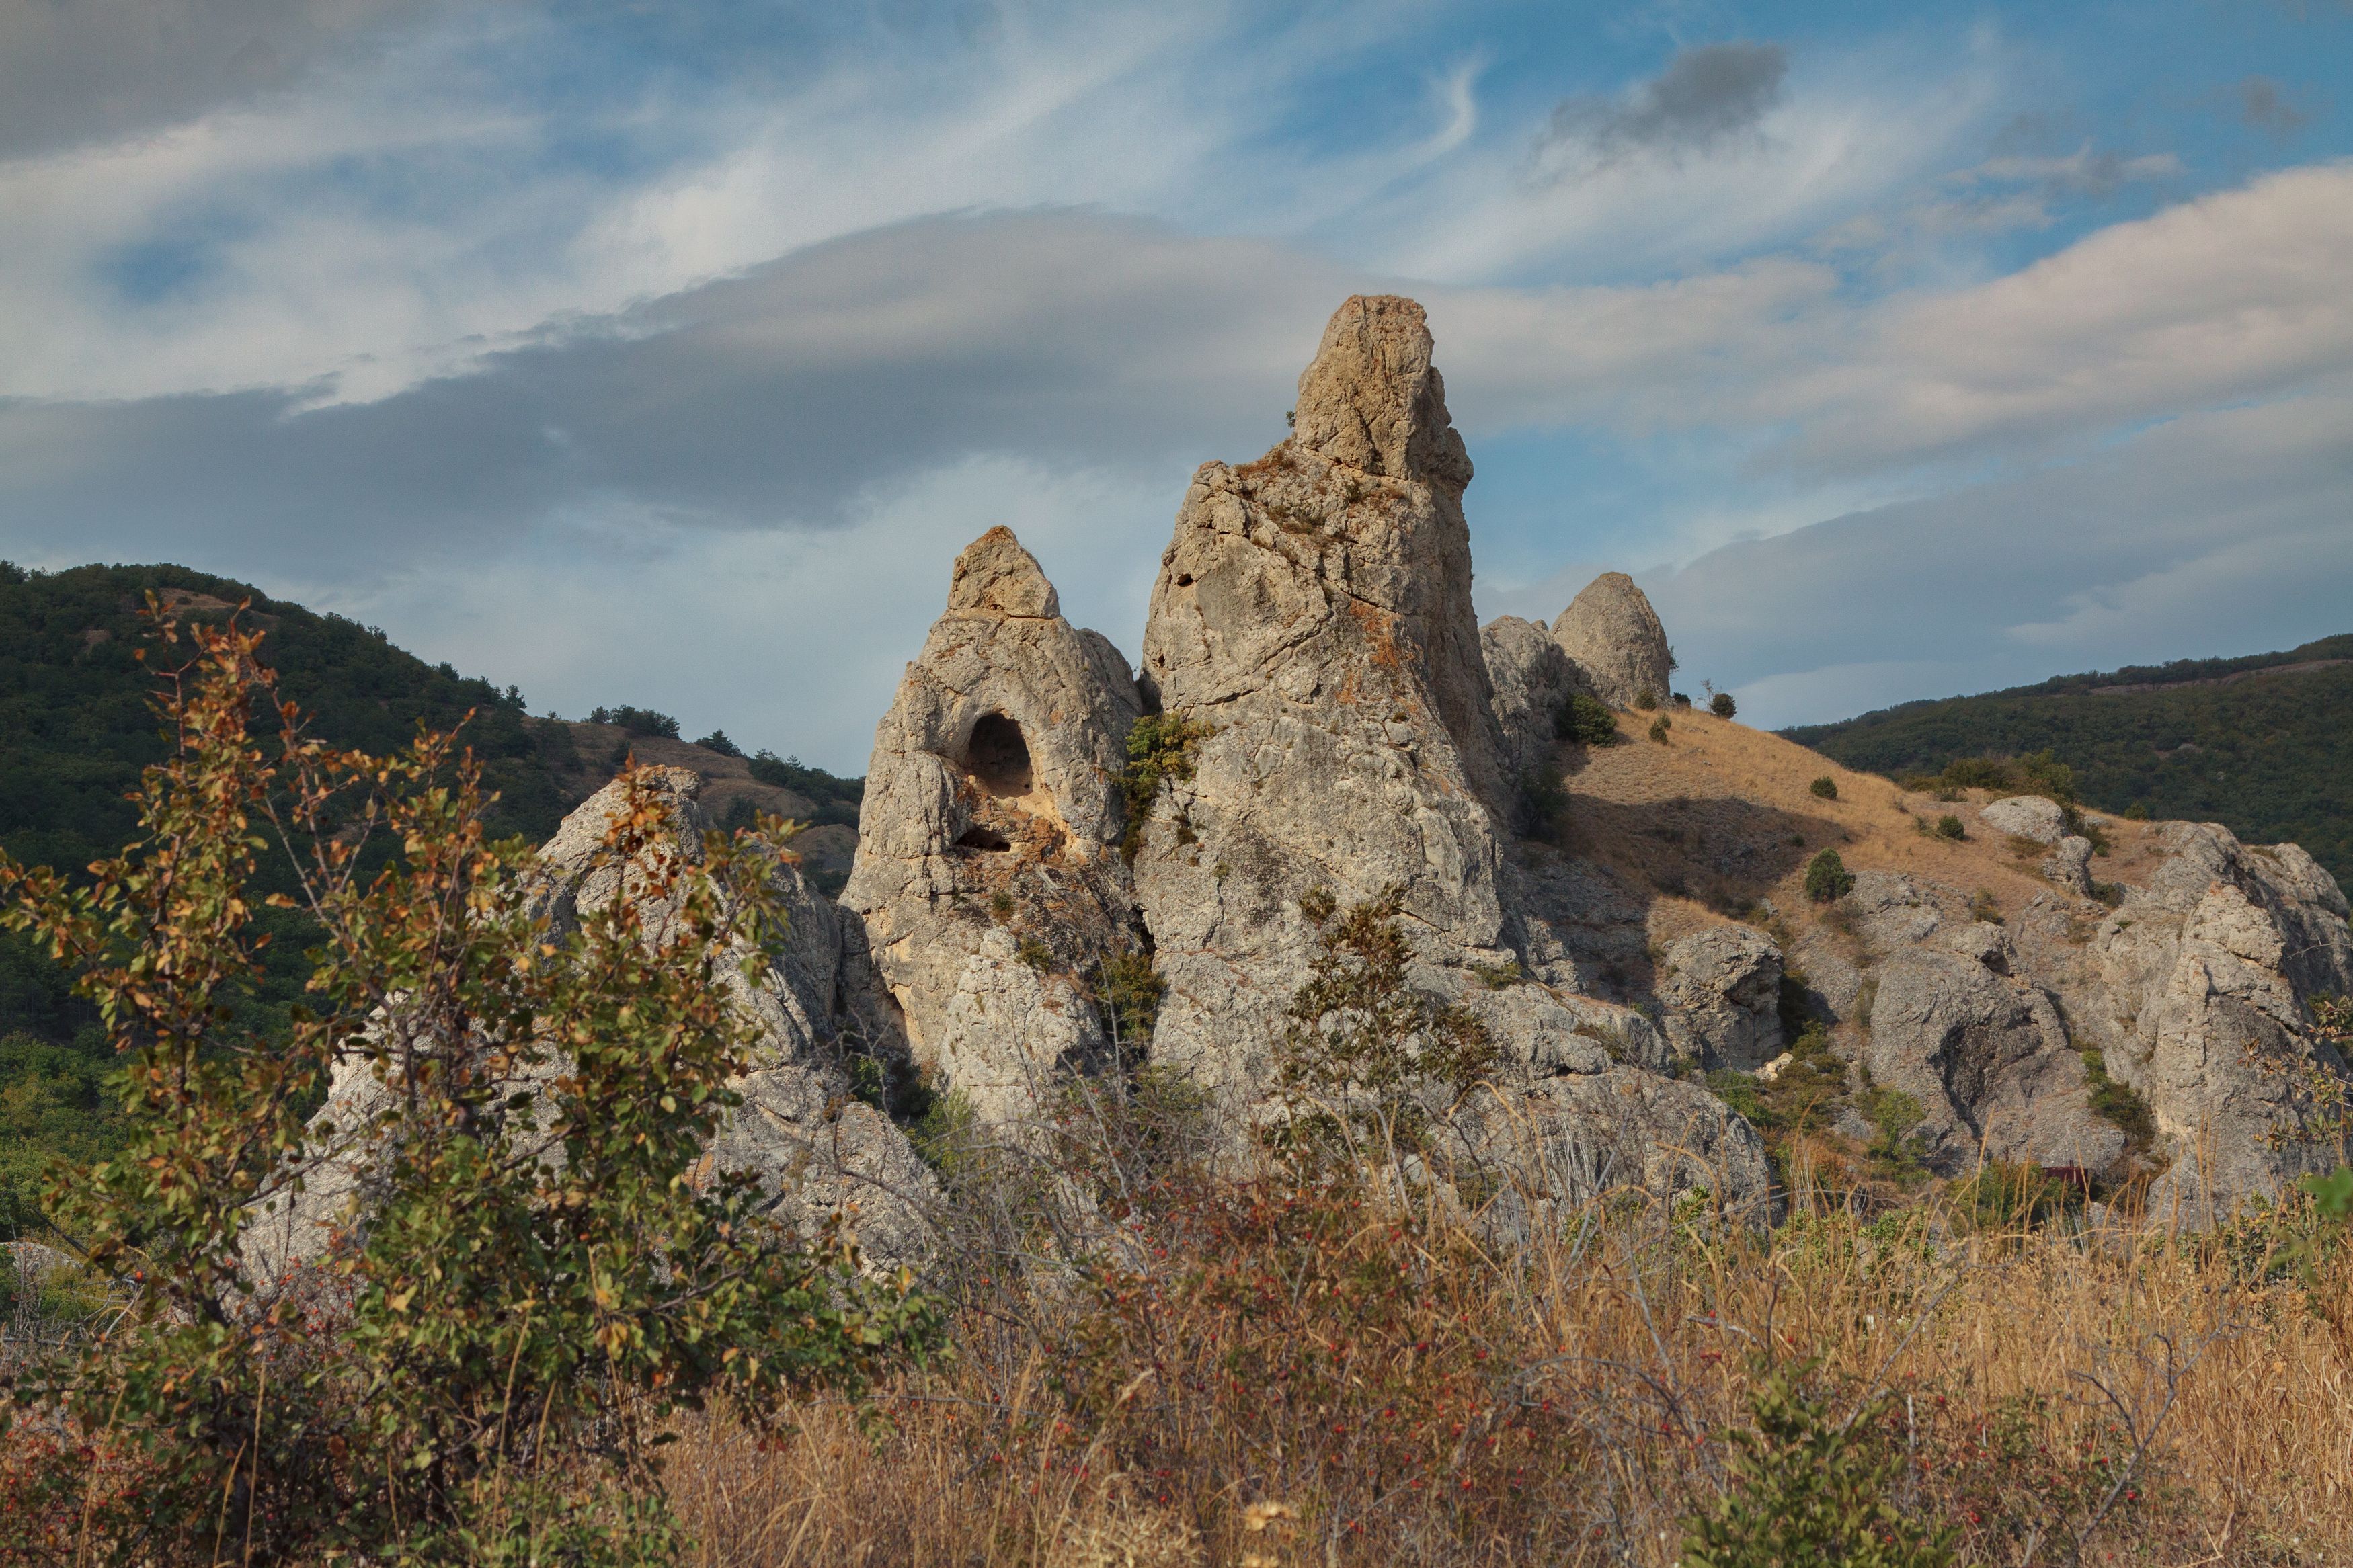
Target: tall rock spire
986, 876
1313, 613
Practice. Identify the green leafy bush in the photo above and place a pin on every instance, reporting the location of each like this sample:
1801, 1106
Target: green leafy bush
1721, 705
1659, 728
1159, 748
1807, 1489
1950, 826
717, 741
1587, 721
1824, 788
1646, 699
1129, 990
548, 1270
1827, 878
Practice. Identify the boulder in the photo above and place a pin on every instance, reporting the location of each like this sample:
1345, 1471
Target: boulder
1313, 618
2026, 816
2069, 866
1613, 638
1533, 681
1722, 992
989, 879
1568, 1140
1987, 1057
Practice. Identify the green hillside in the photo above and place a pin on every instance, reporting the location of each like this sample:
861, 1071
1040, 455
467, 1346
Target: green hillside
77, 727
2262, 744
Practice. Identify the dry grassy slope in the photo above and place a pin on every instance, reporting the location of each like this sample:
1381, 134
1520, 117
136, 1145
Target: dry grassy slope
1723, 815
826, 851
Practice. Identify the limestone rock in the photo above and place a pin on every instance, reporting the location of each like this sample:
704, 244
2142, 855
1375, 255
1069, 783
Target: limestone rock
1722, 996
1987, 1056
2069, 866
1573, 1138
992, 820
2025, 816
1613, 636
1533, 681
1312, 611
2200, 978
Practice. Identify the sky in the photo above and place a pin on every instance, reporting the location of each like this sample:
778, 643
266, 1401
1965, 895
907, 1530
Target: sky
667, 353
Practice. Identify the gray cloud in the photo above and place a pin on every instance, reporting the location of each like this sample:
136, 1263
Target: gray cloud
73, 71
772, 399
1706, 96
2264, 106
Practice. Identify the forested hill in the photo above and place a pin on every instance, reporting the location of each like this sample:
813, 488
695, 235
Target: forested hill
2262, 744
76, 726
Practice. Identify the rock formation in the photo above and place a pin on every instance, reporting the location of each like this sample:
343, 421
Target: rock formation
1613, 638
2198, 980
1313, 614
816, 1150
1721, 991
992, 820
1533, 681
2025, 816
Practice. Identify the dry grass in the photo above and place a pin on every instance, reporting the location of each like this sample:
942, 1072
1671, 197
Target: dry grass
1717, 783
1565, 1401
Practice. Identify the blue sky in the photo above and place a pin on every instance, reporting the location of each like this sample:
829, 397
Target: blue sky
668, 353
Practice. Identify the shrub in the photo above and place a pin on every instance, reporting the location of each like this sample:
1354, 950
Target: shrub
1827, 878
1984, 906
2001, 1197
1545, 801
1129, 991
1587, 721
1892, 1115
1159, 748
372, 1400
1950, 826
1810, 1489
1721, 705
1824, 788
717, 741
637, 720
1659, 728
1034, 952
1646, 699
1360, 1043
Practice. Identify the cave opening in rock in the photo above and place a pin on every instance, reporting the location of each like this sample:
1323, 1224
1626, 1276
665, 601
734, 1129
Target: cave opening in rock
978, 837
998, 757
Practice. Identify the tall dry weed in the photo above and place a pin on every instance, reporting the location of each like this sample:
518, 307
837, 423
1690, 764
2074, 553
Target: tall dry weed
1161, 1362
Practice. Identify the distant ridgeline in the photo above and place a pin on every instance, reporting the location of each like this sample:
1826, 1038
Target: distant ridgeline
2262, 744
76, 728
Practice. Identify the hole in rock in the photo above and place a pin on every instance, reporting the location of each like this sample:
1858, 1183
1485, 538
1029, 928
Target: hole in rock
977, 838
997, 756
1184, 579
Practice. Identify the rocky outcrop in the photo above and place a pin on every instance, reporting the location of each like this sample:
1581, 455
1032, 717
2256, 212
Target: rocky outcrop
1987, 1057
1533, 681
2025, 816
2069, 866
988, 878
1613, 638
1313, 618
1721, 991
2200, 997
816, 1151
1574, 1137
